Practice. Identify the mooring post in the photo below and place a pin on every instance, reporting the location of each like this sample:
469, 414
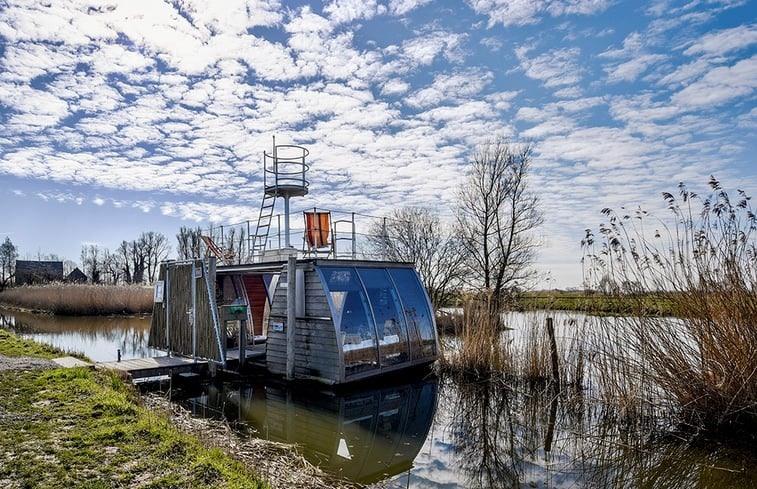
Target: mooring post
291, 313
242, 343
553, 348
119, 354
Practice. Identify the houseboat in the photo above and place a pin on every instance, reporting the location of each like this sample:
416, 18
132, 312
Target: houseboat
321, 311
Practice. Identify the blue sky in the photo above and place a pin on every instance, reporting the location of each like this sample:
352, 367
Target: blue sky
117, 117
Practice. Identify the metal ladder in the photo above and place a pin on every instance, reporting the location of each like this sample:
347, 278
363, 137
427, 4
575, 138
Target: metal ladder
260, 239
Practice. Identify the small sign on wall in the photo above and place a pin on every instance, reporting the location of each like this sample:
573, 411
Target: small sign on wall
159, 291
277, 326
198, 272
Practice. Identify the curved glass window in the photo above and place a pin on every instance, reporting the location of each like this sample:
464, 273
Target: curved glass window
391, 329
417, 312
352, 314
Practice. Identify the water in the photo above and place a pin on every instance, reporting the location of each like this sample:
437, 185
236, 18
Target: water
421, 431
99, 338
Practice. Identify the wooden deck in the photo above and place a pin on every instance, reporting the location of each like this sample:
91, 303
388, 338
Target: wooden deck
139, 368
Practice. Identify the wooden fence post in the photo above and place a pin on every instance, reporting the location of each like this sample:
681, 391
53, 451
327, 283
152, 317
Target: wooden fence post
553, 347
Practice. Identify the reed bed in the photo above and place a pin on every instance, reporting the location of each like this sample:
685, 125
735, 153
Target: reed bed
80, 299
699, 366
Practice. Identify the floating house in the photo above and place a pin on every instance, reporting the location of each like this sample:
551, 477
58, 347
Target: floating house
318, 312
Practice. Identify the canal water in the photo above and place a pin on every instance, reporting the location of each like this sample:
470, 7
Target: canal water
421, 431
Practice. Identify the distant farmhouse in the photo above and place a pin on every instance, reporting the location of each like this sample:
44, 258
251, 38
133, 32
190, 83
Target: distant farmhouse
76, 277
38, 272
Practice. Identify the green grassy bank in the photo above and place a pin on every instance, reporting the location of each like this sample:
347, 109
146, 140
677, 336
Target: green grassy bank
81, 428
596, 303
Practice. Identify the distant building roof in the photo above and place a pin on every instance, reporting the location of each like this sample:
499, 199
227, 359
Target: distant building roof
76, 276
32, 271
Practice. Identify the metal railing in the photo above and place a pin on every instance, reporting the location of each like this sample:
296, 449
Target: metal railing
285, 166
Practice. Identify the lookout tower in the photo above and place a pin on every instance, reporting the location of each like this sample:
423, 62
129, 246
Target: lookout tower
284, 175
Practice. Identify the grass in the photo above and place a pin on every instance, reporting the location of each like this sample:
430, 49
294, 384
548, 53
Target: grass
80, 299
596, 303
15, 346
83, 428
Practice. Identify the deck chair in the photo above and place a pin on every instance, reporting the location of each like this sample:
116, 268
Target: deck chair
317, 239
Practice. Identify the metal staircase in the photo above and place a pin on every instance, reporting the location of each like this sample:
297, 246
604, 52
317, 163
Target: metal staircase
263, 227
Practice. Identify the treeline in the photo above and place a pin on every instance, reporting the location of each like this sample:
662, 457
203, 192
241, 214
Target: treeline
231, 240
133, 262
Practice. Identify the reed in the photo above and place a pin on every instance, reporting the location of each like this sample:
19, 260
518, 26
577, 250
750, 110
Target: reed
478, 346
703, 262
80, 299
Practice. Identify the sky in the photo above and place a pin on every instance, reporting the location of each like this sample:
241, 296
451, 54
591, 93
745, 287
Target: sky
120, 117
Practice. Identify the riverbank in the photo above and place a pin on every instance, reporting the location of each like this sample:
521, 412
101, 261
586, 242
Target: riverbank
80, 299
87, 428
597, 304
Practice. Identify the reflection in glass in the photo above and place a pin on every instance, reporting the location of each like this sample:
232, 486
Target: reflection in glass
416, 307
387, 312
352, 313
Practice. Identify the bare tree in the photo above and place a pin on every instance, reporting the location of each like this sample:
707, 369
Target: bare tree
416, 235
497, 217
112, 267
91, 260
124, 258
138, 256
155, 248
189, 243
8, 255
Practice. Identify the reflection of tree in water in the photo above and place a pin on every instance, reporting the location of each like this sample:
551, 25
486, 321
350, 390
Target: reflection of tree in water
130, 334
525, 436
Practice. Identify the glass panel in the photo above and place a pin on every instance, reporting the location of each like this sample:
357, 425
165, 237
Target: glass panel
391, 329
352, 312
416, 309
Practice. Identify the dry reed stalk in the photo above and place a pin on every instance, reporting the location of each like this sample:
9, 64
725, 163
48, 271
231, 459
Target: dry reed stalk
80, 300
704, 264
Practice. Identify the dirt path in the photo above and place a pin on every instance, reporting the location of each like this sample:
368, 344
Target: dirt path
24, 363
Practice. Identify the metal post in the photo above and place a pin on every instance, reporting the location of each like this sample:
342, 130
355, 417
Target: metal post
291, 313
194, 313
354, 238
248, 239
242, 343
286, 221
386, 238
118, 353
278, 228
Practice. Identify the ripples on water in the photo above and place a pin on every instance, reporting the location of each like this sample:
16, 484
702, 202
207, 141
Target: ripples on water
427, 432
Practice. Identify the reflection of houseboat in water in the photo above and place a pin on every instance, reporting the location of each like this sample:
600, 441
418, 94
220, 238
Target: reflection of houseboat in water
352, 317
364, 435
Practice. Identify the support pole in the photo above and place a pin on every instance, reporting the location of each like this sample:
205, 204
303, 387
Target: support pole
286, 221
194, 312
553, 348
242, 343
354, 238
291, 313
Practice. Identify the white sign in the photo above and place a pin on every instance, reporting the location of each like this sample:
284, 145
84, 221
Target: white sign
198, 272
159, 291
277, 326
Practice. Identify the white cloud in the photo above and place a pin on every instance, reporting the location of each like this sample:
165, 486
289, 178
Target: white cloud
523, 12
403, 7
720, 84
555, 68
724, 41
450, 86
395, 86
632, 69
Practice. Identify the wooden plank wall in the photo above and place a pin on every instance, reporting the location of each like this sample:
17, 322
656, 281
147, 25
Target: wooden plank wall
178, 299
157, 338
316, 350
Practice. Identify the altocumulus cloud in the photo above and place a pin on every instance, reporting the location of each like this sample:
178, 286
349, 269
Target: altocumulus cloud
165, 107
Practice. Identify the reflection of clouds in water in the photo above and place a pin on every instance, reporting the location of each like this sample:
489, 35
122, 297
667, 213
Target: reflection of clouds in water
99, 338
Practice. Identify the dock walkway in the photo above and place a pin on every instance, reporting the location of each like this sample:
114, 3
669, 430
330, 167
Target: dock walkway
139, 368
